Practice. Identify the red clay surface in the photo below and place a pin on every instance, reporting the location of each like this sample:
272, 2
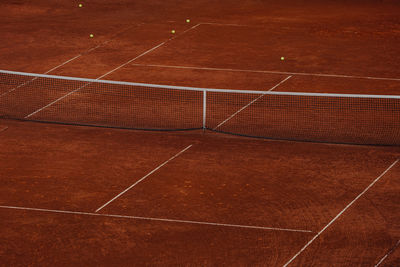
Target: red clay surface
220, 179
278, 184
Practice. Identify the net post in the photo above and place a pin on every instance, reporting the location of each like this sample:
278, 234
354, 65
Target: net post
204, 109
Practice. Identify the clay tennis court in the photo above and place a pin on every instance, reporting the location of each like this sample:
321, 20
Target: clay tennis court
143, 155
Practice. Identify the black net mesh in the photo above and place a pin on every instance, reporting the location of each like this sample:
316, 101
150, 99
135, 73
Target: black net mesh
100, 104
353, 119
333, 119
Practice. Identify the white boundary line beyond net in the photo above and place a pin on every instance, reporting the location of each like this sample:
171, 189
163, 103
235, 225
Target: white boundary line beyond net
340, 213
250, 103
113, 70
156, 219
72, 59
270, 72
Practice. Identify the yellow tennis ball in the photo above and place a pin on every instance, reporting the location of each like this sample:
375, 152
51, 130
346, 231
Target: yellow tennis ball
173, 31
80, 5
188, 20
282, 58
91, 35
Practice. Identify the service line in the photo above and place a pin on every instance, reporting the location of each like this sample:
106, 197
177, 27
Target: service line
157, 219
270, 72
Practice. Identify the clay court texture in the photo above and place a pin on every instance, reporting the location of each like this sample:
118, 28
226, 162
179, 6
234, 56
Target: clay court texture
300, 169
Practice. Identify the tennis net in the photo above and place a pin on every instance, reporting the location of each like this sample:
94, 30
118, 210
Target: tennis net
331, 118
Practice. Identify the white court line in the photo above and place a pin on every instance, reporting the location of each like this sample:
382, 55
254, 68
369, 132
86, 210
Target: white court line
148, 51
254, 100
55, 101
62, 64
117, 68
133, 59
3, 129
340, 213
225, 24
47, 72
387, 254
144, 177
83, 86
19, 86
158, 219
94, 48
72, 59
270, 72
